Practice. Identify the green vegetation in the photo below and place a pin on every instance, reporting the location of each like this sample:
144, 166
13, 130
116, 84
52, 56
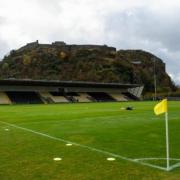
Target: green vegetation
105, 126
86, 63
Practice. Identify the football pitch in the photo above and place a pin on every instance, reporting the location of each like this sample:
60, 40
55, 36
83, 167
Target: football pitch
88, 141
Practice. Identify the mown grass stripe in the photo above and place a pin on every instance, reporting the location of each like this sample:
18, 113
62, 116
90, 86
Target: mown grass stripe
86, 147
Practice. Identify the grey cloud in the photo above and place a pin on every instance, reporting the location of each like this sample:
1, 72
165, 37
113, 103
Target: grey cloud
4, 48
3, 45
53, 6
163, 28
137, 27
147, 25
150, 31
2, 20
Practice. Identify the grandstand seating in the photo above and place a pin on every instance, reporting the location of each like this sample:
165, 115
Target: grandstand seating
54, 91
24, 97
59, 97
130, 96
4, 99
101, 97
46, 97
118, 97
53, 97
83, 97
71, 96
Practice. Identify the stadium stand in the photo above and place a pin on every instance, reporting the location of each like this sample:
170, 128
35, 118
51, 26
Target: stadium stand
83, 97
24, 97
46, 97
129, 96
118, 97
101, 97
54, 97
59, 99
27, 91
71, 96
4, 99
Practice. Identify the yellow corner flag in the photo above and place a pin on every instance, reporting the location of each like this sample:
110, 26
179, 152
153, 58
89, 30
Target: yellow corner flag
161, 107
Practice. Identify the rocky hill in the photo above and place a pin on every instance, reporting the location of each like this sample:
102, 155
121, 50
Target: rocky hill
59, 61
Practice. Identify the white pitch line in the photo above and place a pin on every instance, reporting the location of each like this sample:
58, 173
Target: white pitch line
141, 159
84, 146
177, 165
174, 166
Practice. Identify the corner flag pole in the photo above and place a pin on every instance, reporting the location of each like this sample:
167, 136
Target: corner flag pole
162, 108
167, 140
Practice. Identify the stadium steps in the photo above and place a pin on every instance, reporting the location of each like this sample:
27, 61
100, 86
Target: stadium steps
59, 99
4, 99
119, 97
102, 97
130, 96
53, 97
83, 97
46, 97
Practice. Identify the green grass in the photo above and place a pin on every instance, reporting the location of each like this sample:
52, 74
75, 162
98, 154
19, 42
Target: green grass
104, 126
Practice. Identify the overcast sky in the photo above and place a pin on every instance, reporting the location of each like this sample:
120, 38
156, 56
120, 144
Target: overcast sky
151, 25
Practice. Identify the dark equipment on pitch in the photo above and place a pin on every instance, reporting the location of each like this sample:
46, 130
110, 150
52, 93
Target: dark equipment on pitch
129, 108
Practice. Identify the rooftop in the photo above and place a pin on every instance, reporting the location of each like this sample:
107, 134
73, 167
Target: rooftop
30, 82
